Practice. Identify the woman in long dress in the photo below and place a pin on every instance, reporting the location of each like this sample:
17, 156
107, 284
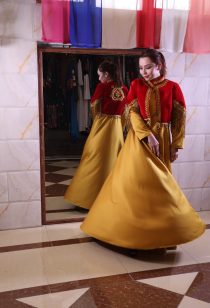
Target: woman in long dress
105, 139
140, 205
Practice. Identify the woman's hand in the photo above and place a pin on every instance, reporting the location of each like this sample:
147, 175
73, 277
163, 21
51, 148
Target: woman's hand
174, 155
153, 144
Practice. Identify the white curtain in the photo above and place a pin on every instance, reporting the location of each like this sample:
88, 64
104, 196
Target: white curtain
119, 24
173, 29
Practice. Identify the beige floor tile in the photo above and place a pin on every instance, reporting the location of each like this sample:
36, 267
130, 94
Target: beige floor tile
175, 283
65, 163
23, 236
79, 261
205, 215
22, 269
41, 266
57, 203
189, 302
64, 215
66, 182
199, 249
155, 261
69, 171
48, 183
64, 231
54, 300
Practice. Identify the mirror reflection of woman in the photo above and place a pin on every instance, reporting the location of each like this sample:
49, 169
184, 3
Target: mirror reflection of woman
140, 205
105, 139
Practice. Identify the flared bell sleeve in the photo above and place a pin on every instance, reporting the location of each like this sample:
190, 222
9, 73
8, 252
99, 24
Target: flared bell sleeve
178, 119
95, 108
96, 99
136, 122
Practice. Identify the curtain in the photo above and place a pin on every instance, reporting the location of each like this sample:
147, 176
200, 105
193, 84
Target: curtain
148, 24
198, 27
55, 21
85, 23
169, 25
174, 24
119, 24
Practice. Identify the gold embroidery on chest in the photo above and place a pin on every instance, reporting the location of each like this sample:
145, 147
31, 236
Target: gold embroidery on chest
117, 94
152, 104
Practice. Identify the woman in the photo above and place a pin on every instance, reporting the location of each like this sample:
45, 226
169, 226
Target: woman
140, 205
105, 139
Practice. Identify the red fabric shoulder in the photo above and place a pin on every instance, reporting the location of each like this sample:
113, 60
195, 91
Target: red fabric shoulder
132, 93
177, 94
99, 92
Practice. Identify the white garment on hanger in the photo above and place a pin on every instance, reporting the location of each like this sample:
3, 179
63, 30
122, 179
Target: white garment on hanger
82, 111
86, 87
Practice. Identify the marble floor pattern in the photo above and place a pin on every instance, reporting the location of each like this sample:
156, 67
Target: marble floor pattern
58, 175
58, 266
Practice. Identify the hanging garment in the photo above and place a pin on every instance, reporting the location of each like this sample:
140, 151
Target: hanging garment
86, 100
73, 125
86, 87
102, 146
140, 205
72, 100
81, 111
79, 73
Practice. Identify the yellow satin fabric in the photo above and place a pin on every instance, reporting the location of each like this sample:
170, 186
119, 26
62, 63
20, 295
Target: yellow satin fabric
99, 155
140, 205
161, 132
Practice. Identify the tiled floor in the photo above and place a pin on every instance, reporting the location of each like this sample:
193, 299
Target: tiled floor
58, 175
58, 266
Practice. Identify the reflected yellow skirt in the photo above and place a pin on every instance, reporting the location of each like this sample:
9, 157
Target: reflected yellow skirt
140, 205
99, 155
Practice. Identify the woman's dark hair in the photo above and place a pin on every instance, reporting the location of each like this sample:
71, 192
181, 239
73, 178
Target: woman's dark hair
113, 70
157, 57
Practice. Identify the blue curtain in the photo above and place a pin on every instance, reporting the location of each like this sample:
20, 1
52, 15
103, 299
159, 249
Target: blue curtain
85, 23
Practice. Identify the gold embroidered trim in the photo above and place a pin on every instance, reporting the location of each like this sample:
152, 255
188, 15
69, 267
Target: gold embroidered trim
95, 107
158, 83
117, 94
153, 89
133, 106
116, 116
178, 119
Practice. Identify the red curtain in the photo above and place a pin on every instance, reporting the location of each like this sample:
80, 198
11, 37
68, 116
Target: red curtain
148, 25
198, 27
55, 20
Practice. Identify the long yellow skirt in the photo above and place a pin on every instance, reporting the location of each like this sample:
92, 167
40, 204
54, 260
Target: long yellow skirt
99, 155
140, 205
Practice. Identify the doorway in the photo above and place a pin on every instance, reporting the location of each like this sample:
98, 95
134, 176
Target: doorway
65, 119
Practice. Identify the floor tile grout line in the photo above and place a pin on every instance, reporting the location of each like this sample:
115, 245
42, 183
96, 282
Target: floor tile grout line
49, 243
91, 282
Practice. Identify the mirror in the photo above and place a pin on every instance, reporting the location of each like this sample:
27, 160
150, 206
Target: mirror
65, 119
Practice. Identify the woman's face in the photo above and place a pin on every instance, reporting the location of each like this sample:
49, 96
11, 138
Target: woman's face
102, 76
148, 69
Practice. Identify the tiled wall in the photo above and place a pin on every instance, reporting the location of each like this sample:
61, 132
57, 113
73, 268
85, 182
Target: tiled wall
20, 28
20, 205
192, 170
